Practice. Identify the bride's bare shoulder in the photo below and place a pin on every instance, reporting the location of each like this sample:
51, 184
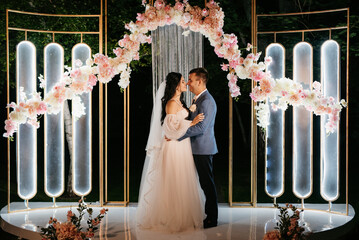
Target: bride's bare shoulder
171, 107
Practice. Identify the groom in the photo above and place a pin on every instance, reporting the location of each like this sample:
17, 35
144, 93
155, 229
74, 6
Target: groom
203, 142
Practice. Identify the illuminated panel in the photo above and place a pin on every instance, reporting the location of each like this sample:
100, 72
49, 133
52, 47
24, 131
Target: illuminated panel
274, 162
81, 135
54, 124
26, 138
302, 124
329, 151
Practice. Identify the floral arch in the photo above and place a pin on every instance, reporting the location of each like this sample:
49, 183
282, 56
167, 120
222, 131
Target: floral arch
209, 22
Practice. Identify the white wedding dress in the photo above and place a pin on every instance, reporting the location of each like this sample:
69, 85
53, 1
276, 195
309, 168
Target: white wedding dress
171, 198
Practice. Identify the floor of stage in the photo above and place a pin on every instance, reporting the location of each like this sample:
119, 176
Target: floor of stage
234, 223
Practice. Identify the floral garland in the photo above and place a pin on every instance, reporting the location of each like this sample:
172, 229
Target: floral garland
209, 22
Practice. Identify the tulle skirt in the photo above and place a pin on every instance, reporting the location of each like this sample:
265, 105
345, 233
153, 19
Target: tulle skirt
171, 198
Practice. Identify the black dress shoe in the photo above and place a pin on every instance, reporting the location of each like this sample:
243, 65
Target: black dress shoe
209, 223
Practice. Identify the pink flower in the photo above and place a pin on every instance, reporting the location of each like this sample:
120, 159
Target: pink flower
118, 51
41, 108
257, 56
232, 78
103, 211
234, 63
302, 94
140, 17
216, 50
258, 76
10, 127
75, 73
224, 67
241, 61
179, 6
92, 80
268, 60
257, 94
59, 93
79, 86
235, 91
272, 235
250, 56
167, 8
294, 98
136, 57
69, 215
249, 47
205, 12
159, 4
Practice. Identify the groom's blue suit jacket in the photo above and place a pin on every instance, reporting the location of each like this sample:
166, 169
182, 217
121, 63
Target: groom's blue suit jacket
202, 134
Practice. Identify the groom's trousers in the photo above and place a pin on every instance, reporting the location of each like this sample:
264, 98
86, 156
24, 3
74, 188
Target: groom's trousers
204, 167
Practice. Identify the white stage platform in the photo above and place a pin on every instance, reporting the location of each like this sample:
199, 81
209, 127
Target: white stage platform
119, 223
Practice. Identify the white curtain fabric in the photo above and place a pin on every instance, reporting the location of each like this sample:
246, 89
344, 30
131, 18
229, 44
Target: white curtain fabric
174, 52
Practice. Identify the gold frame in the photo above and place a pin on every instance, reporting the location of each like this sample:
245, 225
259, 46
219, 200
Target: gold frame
99, 33
253, 202
255, 34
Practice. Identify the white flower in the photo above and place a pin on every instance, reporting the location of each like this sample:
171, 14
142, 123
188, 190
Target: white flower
248, 62
68, 69
343, 103
282, 104
242, 72
18, 117
42, 81
78, 109
186, 33
193, 107
89, 62
23, 96
78, 63
125, 78
262, 115
121, 67
261, 66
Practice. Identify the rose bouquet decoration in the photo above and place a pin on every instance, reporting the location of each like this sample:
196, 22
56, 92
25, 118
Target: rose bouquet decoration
72, 229
288, 227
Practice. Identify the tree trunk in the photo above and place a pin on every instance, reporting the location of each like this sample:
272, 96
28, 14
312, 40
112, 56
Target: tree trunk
68, 132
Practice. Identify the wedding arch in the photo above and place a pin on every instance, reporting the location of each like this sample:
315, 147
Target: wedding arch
209, 22
271, 93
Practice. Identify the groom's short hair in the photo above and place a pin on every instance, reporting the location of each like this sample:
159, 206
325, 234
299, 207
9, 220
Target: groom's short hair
201, 72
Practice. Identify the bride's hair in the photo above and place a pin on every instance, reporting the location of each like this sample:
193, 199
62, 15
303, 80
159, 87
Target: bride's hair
172, 81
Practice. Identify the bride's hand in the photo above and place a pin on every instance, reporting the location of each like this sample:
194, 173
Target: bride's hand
197, 119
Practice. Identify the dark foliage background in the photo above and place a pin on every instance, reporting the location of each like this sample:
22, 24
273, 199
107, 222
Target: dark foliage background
237, 21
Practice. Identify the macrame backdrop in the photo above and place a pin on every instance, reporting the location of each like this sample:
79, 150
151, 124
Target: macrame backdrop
174, 52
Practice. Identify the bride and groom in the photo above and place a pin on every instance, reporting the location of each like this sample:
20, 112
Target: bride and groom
174, 196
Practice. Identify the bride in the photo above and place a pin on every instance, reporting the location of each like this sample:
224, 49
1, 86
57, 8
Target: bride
170, 198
